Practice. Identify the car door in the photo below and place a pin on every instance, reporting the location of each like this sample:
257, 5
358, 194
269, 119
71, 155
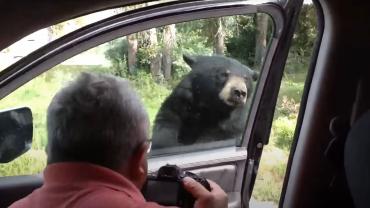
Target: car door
233, 163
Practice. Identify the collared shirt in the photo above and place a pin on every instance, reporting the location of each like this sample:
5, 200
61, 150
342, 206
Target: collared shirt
84, 185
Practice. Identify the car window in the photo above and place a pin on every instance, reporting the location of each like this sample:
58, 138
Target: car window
196, 80
270, 177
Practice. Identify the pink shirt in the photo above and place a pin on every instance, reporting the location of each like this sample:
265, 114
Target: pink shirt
84, 185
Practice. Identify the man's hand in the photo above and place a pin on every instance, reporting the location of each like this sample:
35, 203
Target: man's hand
216, 198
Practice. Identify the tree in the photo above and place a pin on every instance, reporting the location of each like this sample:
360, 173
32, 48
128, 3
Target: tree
154, 56
169, 42
261, 38
131, 53
241, 43
117, 55
219, 43
306, 31
214, 31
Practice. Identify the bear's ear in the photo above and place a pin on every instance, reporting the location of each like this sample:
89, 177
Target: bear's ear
255, 76
190, 60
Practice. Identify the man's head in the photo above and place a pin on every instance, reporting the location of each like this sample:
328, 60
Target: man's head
99, 119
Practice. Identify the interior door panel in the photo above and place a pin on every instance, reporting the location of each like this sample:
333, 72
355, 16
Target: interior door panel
226, 177
13, 188
225, 166
16, 187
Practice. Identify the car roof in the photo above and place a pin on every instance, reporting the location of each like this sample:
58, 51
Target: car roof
21, 18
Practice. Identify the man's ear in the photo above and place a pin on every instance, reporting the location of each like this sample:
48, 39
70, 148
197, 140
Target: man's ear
137, 169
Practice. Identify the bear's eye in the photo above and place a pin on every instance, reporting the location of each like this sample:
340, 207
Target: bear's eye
226, 73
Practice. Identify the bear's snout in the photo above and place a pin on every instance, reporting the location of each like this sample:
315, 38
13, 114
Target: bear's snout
240, 93
238, 96
234, 92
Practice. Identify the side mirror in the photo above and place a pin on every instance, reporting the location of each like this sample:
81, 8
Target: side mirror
16, 132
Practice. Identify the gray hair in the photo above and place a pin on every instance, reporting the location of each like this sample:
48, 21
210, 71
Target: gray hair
97, 119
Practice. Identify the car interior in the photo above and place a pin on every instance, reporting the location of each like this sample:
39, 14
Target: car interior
329, 157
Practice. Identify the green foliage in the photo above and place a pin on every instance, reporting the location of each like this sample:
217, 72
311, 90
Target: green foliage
291, 89
270, 174
151, 93
287, 107
117, 55
146, 51
296, 64
306, 31
303, 41
283, 131
244, 35
190, 41
32, 162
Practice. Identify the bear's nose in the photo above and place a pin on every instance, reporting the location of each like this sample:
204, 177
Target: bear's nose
239, 93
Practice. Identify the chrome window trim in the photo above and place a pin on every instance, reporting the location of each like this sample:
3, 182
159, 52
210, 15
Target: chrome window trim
206, 158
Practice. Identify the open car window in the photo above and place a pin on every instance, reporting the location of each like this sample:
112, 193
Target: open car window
201, 74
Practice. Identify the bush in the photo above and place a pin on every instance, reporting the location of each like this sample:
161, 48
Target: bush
296, 63
291, 89
288, 108
246, 32
117, 55
151, 93
283, 132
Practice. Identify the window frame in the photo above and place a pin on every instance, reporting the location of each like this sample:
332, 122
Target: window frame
304, 100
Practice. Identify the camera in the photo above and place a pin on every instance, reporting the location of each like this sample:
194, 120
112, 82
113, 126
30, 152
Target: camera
166, 187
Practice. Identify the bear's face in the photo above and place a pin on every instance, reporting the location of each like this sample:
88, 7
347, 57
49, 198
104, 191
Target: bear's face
223, 78
234, 91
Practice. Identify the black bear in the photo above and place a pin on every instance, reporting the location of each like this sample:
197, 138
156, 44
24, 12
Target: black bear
208, 104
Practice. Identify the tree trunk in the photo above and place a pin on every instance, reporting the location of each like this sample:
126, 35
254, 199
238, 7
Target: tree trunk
169, 41
131, 53
219, 42
261, 39
155, 59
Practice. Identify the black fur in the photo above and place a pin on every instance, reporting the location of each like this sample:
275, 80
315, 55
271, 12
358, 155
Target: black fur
194, 111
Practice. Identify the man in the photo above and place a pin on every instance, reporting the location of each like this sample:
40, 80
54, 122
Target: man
97, 146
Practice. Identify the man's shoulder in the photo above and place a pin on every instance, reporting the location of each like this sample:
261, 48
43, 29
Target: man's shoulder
113, 199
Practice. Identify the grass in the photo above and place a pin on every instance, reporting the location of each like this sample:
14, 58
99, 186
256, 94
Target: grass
32, 162
270, 174
274, 158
